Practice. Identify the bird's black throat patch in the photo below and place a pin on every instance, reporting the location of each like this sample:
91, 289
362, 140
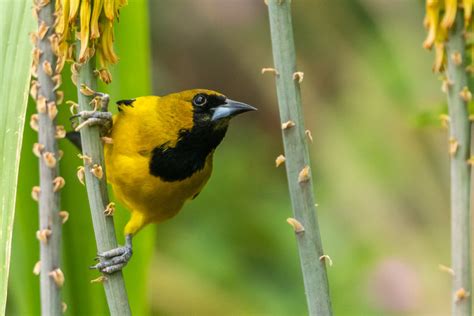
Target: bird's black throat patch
188, 156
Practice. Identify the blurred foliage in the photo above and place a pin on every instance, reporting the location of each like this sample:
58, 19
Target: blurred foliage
381, 177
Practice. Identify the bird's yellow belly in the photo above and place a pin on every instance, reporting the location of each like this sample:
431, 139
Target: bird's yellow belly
141, 192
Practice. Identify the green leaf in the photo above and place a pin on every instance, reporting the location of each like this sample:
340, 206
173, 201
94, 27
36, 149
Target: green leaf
15, 61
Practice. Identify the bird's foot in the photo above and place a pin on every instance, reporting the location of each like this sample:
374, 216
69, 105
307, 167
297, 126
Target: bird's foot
93, 118
115, 259
101, 118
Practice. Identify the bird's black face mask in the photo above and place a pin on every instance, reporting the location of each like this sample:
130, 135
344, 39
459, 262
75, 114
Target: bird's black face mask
217, 109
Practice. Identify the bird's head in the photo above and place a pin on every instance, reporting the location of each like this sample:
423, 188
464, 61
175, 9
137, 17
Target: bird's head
201, 115
196, 117
211, 109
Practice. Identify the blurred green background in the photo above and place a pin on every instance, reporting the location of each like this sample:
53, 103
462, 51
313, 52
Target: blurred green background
379, 160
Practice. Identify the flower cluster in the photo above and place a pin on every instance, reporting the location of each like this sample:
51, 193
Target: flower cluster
90, 21
440, 17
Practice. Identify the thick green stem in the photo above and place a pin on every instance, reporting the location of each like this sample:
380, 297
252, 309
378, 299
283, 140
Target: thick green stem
458, 96
297, 158
98, 196
49, 197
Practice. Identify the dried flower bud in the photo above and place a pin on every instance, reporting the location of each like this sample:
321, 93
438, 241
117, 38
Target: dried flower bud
49, 159
58, 183
64, 216
42, 30
57, 79
43, 235
36, 55
105, 76
41, 104
35, 192
85, 90
304, 175
298, 76
58, 277
86, 159
54, 41
60, 132
59, 96
279, 160
73, 106
107, 140
34, 89
326, 257
100, 279
97, 171
33, 38
461, 294
38, 149
47, 68
444, 119
297, 226
271, 70
60, 64
110, 209
446, 269
34, 122
52, 110
465, 94
288, 124
456, 57
81, 174
453, 146
37, 268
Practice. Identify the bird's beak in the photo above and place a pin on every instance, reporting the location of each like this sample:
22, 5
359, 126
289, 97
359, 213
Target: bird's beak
230, 108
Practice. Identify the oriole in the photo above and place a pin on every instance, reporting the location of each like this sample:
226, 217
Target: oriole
161, 156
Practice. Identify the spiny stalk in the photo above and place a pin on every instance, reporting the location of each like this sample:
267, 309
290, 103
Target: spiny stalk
47, 97
296, 159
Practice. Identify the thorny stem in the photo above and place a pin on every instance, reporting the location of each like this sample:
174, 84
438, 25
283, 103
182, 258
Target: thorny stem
98, 196
49, 200
297, 159
460, 170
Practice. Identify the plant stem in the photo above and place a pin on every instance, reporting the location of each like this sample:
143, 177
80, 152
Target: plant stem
49, 198
98, 196
460, 169
297, 158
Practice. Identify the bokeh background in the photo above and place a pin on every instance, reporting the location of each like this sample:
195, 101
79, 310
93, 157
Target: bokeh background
379, 160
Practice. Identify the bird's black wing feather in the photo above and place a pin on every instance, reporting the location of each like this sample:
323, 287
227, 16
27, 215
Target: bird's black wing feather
75, 139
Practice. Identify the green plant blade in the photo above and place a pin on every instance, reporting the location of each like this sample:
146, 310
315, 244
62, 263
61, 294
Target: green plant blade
15, 61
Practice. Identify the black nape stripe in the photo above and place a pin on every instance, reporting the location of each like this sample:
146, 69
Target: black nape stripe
188, 156
128, 102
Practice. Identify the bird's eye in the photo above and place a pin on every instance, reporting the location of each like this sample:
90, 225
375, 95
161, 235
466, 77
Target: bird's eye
200, 100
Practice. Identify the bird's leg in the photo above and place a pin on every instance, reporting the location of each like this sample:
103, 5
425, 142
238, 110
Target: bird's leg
115, 259
103, 118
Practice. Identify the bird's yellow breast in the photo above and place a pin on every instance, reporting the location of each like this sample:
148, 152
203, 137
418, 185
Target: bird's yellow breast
137, 130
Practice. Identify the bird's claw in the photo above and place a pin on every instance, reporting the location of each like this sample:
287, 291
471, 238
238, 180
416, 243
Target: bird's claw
113, 260
92, 118
102, 118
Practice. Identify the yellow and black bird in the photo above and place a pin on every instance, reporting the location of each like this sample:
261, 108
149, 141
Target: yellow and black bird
161, 156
